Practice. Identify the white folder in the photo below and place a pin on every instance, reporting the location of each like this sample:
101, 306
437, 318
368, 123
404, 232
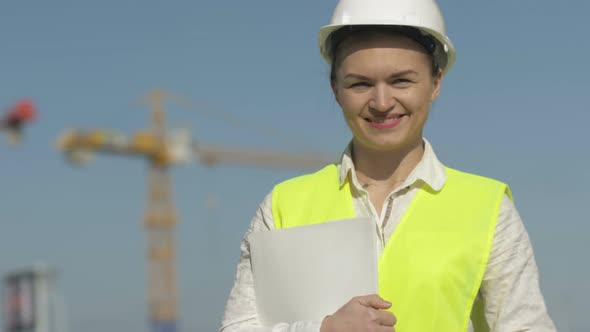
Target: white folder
306, 273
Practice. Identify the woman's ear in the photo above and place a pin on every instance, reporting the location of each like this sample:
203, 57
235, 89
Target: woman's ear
437, 85
335, 90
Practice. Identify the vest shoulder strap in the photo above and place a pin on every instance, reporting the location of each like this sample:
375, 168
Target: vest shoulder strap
311, 198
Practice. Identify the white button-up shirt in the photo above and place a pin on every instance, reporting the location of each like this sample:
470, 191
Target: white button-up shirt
510, 292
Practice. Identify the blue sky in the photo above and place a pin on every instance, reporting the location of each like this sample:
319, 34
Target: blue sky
513, 108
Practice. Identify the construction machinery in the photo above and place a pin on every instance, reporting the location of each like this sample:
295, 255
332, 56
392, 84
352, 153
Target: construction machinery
17, 116
31, 301
163, 149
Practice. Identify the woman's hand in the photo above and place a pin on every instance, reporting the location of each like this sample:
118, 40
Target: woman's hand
361, 314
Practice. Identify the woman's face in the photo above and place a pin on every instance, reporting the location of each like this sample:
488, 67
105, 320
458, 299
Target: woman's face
384, 85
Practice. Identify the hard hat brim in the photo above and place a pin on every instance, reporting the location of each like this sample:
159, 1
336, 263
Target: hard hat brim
448, 47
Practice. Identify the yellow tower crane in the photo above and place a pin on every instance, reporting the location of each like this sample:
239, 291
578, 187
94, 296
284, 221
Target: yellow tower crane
162, 150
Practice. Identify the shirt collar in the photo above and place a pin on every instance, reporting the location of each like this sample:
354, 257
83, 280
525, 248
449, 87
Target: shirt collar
429, 170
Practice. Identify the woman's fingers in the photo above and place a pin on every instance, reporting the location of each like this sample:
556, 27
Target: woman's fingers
386, 318
373, 301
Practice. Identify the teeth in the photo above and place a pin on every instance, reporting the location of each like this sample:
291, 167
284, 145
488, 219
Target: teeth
385, 120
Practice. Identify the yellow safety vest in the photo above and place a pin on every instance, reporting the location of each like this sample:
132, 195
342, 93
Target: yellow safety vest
433, 264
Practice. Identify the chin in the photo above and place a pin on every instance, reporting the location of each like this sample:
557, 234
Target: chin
390, 144
384, 146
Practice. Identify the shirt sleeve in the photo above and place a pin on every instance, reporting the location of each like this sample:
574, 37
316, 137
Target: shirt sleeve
510, 287
240, 311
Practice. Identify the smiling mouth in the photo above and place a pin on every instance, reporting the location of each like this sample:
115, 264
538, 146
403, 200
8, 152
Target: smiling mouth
385, 123
385, 120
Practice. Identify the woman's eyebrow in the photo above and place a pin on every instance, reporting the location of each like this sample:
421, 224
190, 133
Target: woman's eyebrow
404, 72
357, 76
395, 74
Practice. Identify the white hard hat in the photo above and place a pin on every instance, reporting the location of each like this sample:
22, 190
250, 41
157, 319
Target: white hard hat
423, 15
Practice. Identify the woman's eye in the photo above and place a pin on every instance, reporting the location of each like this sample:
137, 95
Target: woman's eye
359, 85
402, 81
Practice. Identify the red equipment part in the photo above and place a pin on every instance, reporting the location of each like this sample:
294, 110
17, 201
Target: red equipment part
23, 111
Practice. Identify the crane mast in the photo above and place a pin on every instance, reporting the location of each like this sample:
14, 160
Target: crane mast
159, 221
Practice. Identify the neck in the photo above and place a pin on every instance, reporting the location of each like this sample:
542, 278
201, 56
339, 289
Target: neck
392, 166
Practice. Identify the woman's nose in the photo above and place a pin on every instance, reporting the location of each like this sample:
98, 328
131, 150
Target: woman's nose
382, 99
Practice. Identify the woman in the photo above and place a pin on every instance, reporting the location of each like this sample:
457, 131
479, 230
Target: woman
460, 258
